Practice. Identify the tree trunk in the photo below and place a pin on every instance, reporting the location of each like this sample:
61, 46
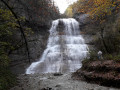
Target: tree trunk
103, 41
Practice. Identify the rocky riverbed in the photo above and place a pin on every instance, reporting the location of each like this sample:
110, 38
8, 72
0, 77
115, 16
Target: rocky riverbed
54, 82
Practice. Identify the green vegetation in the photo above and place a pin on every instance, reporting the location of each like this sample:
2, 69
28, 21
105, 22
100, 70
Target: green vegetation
115, 58
69, 12
104, 17
97, 9
19, 20
103, 25
7, 26
7, 79
92, 57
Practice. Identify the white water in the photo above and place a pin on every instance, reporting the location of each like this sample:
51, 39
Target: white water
65, 49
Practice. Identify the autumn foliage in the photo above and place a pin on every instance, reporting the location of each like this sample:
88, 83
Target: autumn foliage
42, 10
97, 9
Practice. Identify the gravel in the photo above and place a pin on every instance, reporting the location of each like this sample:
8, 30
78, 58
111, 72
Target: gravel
54, 82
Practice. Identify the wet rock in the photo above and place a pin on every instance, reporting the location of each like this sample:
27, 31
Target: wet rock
47, 88
58, 86
58, 74
63, 82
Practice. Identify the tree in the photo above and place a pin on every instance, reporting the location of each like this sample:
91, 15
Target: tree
7, 26
20, 27
14, 18
97, 9
69, 11
42, 10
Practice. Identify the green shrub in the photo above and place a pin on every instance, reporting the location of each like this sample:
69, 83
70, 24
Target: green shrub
117, 58
112, 57
7, 79
92, 56
108, 57
8, 25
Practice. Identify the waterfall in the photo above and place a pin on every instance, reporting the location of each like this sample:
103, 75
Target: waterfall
65, 50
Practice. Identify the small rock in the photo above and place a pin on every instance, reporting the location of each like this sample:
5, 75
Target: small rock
57, 74
57, 85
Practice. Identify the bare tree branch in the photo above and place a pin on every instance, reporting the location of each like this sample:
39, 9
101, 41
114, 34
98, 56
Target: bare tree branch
21, 29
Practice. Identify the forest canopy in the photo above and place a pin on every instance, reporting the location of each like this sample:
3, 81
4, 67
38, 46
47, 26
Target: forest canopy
97, 9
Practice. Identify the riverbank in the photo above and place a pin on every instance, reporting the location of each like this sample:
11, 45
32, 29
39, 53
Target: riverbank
105, 73
54, 82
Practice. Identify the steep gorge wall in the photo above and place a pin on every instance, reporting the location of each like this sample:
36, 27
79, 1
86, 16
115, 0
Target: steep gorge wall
37, 15
92, 31
86, 28
36, 44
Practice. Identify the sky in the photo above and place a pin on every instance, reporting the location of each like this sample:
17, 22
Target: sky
63, 4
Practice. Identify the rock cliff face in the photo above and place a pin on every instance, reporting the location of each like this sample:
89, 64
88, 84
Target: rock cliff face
36, 44
86, 27
31, 16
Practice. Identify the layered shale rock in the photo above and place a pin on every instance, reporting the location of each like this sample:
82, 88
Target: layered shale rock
106, 73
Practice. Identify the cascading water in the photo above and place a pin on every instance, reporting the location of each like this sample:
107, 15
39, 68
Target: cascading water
65, 49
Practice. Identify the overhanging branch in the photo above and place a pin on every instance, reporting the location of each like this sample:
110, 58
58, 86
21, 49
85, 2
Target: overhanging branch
21, 29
